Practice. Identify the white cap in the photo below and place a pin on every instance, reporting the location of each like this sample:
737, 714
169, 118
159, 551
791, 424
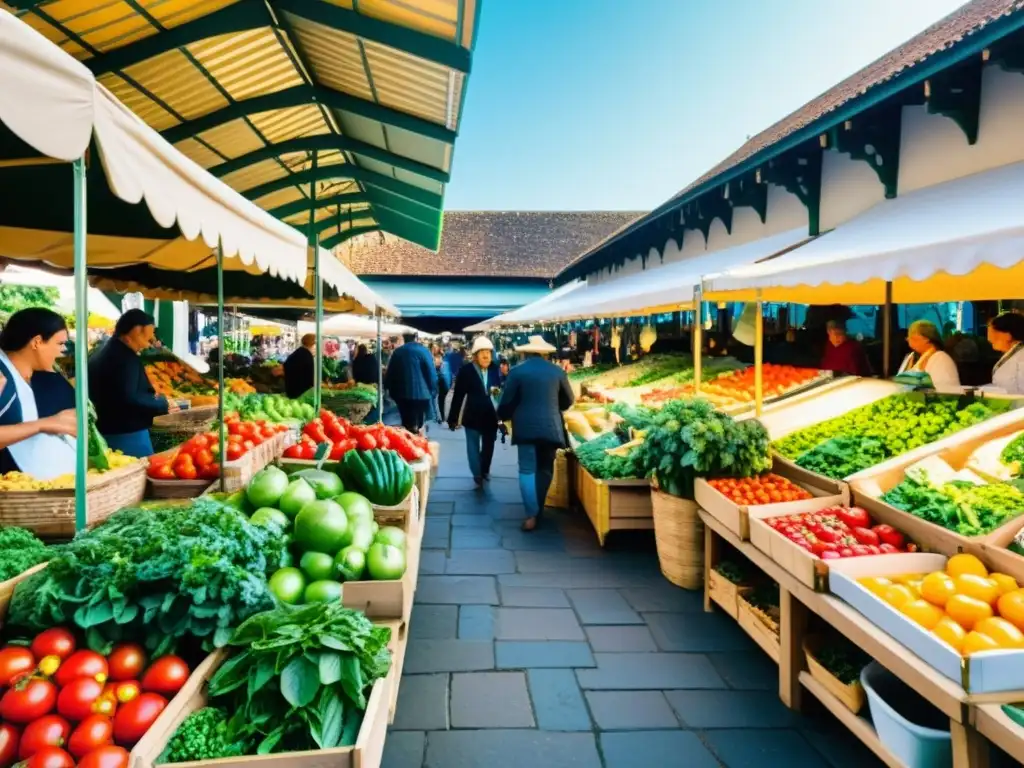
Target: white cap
479, 343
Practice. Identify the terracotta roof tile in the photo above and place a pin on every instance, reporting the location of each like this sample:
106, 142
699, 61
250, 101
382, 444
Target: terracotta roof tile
521, 244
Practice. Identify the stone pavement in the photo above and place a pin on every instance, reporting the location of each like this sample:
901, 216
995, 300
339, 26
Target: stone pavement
542, 649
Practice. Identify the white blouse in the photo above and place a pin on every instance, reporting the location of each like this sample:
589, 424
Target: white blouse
940, 367
1008, 375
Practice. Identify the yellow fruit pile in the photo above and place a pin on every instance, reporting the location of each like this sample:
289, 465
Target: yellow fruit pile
964, 606
19, 481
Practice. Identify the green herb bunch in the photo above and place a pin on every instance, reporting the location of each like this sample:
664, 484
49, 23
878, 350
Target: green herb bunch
1013, 454
302, 678
154, 576
594, 458
960, 506
202, 736
21, 551
689, 439
843, 659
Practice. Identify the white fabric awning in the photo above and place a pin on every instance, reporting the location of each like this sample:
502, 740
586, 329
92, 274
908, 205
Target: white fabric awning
515, 316
961, 240
355, 327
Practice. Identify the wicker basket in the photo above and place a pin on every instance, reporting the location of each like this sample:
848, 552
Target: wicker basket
679, 535
558, 493
51, 514
174, 429
435, 456
340, 405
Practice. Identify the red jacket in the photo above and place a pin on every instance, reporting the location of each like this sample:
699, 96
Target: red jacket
848, 357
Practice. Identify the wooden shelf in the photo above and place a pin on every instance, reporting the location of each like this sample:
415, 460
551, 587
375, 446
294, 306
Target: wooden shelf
992, 723
857, 725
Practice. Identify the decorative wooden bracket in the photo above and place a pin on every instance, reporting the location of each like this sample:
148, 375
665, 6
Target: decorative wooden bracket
956, 94
699, 214
875, 139
747, 192
799, 173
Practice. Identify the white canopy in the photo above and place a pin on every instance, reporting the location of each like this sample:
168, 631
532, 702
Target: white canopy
961, 240
53, 104
514, 316
355, 327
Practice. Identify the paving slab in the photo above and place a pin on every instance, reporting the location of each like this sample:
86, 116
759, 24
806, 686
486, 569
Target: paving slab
479, 520
489, 562
700, 632
649, 671
537, 654
758, 748
508, 511
404, 749
457, 590
581, 578
679, 749
537, 624
511, 749
731, 709
422, 703
537, 540
747, 671
620, 639
474, 538
491, 700
432, 561
602, 606
434, 622
557, 700
440, 508
425, 656
630, 710
664, 598
533, 597
476, 622
437, 533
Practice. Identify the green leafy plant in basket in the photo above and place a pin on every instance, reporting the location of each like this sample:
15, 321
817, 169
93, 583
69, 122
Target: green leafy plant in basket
688, 439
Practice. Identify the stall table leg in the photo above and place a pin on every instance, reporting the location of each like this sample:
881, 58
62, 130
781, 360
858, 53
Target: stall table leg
793, 628
970, 748
711, 549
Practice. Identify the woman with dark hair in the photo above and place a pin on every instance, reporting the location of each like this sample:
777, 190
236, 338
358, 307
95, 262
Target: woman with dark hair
1006, 335
125, 401
44, 448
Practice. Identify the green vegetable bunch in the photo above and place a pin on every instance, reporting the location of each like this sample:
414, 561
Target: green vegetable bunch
735, 572
273, 408
202, 736
302, 678
634, 416
585, 374
689, 439
21, 551
1013, 454
960, 506
844, 455
593, 456
154, 576
843, 659
898, 424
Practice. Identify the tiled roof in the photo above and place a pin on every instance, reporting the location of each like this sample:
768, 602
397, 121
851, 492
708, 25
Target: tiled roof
518, 244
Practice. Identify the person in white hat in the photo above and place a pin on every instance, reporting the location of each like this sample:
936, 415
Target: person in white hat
535, 395
473, 407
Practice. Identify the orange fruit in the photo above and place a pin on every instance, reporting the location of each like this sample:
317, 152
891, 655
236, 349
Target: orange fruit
964, 563
967, 611
907, 578
876, 585
979, 587
937, 588
1002, 631
951, 633
923, 613
976, 642
1011, 608
1005, 582
898, 595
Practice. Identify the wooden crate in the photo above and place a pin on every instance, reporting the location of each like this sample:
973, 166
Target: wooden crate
752, 623
399, 644
614, 505
366, 753
724, 592
558, 493
852, 696
422, 471
435, 456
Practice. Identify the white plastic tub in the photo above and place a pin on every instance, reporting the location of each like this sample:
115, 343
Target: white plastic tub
918, 743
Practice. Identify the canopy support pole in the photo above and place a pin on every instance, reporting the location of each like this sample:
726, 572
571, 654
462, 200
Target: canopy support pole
81, 348
887, 331
380, 374
759, 357
221, 350
697, 336
318, 293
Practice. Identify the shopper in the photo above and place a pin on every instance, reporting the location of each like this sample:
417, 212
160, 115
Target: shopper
535, 395
300, 368
125, 401
411, 381
39, 445
1006, 335
365, 369
843, 354
473, 407
928, 356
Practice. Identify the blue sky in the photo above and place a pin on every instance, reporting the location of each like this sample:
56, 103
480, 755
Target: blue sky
619, 104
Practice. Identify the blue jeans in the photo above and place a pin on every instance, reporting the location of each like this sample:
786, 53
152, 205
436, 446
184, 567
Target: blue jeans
135, 444
536, 471
480, 451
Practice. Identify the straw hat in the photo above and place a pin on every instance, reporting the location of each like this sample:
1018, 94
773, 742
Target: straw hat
479, 343
536, 345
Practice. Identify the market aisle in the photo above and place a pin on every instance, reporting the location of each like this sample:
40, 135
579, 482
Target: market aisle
544, 650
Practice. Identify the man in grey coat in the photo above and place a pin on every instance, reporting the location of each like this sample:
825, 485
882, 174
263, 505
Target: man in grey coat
411, 380
535, 395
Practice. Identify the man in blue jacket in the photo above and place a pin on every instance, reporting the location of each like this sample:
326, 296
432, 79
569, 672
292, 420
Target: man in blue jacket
411, 380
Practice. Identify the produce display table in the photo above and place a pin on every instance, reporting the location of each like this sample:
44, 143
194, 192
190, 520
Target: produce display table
614, 505
973, 718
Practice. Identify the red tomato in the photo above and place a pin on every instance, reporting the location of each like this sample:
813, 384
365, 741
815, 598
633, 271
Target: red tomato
161, 471
78, 699
184, 468
166, 675
133, 719
49, 757
48, 731
235, 451
293, 451
82, 664
9, 737
126, 662
211, 471
105, 757
54, 642
203, 458
92, 733
28, 700
15, 661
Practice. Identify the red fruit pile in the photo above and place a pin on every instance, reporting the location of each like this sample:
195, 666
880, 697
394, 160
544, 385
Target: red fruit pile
198, 457
840, 532
62, 707
342, 436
